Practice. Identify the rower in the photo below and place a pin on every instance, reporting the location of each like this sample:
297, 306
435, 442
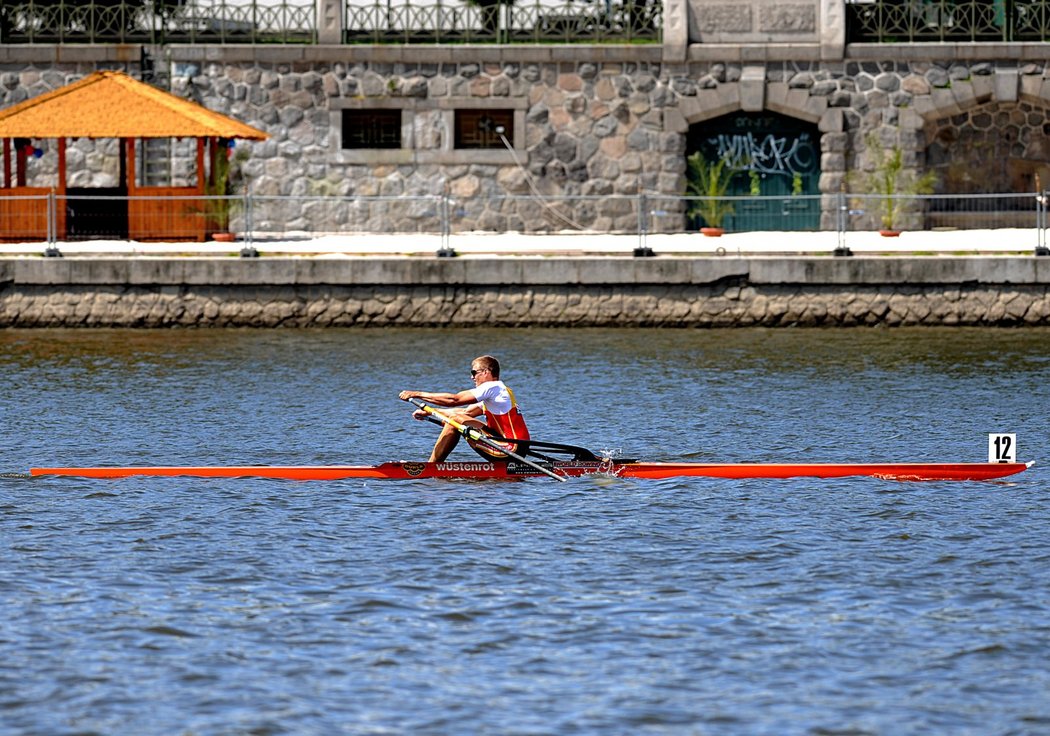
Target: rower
489, 397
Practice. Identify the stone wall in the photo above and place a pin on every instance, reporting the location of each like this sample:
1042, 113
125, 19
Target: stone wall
593, 121
648, 305
610, 292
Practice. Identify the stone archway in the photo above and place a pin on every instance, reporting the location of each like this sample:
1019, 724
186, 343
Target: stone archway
994, 147
985, 134
720, 91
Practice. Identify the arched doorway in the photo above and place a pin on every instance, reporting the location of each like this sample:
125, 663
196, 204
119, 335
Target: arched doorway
779, 160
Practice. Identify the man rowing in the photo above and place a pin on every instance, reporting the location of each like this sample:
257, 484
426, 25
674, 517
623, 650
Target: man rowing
489, 397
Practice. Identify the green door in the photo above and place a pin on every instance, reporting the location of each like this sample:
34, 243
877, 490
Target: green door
778, 160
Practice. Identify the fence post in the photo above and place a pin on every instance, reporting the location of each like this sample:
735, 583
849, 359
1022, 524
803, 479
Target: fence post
842, 221
50, 210
329, 21
248, 250
1040, 223
643, 250
249, 216
52, 226
445, 251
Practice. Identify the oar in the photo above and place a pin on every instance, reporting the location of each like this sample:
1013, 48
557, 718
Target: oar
478, 436
577, 452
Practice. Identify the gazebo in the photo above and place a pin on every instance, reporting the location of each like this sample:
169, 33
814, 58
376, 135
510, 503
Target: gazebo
110, 104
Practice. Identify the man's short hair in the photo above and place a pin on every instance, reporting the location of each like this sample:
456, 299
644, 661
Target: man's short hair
489, 363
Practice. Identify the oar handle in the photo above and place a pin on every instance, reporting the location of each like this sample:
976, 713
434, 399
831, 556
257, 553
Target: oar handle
434, 414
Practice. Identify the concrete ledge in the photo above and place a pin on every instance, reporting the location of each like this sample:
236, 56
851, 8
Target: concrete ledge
524, 271
291, 53
753, 52
900, 271
962, 51
525, 53
517, 291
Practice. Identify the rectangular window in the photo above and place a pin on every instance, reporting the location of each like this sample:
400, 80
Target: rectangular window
371, 129
482, 128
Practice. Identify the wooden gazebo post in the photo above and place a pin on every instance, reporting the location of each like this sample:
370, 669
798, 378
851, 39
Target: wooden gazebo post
200, 167
130, 176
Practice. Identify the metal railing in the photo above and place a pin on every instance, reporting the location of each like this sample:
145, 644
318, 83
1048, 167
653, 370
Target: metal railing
572, 21
268, 219
938, 21
158, 22
295, 21
452, 21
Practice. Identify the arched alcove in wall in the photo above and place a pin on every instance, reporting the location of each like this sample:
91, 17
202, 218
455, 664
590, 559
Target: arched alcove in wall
778, 159
994, 148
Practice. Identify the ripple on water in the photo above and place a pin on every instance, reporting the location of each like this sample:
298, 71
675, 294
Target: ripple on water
602, 606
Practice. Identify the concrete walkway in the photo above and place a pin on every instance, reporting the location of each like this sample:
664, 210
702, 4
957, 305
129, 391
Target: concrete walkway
954, 242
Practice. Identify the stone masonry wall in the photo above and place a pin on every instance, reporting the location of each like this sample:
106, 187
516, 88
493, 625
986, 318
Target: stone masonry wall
598, 123
510, 291
728, 304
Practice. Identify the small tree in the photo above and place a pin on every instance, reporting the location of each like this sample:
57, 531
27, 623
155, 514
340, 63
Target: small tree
896, 185
710, 181
225, 181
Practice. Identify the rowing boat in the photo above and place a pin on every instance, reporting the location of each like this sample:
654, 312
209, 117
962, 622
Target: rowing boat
481, 470
561, 462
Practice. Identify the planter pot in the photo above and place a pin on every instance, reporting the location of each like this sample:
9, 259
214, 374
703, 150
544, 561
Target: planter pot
889, 233
712, 232
223, 237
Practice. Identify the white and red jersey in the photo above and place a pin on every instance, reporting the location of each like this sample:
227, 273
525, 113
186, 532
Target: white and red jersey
502, 412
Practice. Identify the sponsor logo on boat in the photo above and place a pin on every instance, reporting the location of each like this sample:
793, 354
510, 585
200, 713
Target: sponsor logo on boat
587, 466
465, 467
523, 469
414, 469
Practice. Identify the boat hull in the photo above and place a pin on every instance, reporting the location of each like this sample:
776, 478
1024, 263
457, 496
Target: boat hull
505, 471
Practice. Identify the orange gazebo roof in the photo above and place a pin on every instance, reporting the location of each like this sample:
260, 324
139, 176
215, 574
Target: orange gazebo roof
110, 104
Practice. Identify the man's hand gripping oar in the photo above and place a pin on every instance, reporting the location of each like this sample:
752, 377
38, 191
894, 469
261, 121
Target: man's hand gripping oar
473, 433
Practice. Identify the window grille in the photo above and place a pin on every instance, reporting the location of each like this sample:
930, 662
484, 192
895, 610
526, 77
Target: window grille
482, 128
371, 129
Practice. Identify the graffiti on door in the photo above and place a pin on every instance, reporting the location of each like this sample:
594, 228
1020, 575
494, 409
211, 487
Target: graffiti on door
778, 160
770, 155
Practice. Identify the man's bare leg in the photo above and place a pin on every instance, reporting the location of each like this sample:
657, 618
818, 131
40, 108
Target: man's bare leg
446, 443
449, 438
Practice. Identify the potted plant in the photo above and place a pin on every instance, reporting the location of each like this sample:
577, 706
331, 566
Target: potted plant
224, 182
895, 185
709, 180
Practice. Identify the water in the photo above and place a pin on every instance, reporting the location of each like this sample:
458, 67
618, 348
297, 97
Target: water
684, 606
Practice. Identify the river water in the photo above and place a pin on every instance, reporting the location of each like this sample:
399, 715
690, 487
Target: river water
682, 606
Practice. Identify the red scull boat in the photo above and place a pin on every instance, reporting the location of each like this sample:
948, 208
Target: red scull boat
544, 461
482, 470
